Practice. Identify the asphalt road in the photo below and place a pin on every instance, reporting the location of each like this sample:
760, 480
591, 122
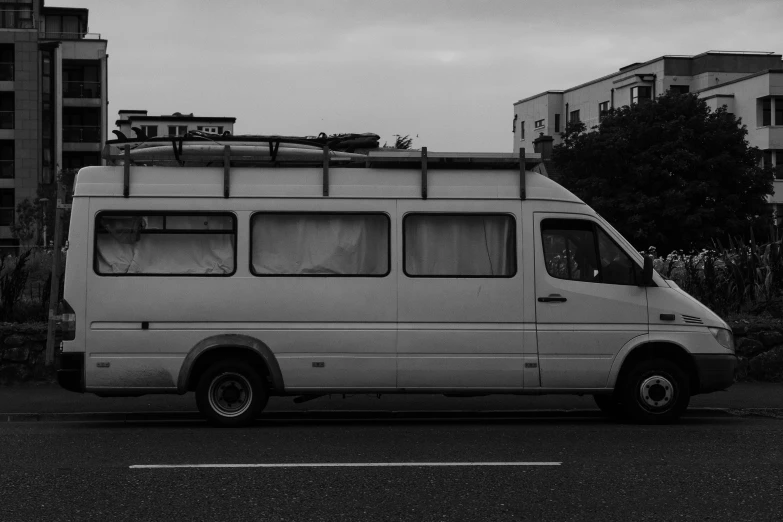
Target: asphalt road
705, 468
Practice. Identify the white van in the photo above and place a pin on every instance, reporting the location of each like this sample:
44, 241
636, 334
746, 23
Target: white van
468, 276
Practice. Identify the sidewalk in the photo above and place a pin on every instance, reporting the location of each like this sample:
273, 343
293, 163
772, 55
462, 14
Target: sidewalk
51, 399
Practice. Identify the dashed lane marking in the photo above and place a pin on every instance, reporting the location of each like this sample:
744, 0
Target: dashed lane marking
343, 465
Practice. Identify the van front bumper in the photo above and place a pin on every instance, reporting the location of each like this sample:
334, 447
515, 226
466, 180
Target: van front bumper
716, 372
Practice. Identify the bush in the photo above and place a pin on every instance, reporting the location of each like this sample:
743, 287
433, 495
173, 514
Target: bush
743, 277
25, 283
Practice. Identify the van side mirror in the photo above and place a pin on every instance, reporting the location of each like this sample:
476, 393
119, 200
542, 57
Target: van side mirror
647, 272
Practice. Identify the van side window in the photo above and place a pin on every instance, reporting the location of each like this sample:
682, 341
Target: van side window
459, 245
580, 250
319, 244
136, 244
616, 267
569, 249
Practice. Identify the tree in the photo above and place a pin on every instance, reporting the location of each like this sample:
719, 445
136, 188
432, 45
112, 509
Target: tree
669, 173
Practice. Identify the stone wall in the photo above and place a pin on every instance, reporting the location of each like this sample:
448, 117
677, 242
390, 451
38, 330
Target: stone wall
23, 353
759, 350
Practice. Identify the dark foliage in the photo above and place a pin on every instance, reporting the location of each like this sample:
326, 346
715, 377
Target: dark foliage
668, 172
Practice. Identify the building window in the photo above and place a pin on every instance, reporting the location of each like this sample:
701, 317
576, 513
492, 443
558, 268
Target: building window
778, 111
538, 124
16, 15
81, 80
64, 27
320, 244
6, 63
149, 131
211, 130
521, 130
766, 112
574, 117
81, 125
165, 244
557, 123
459, 245
6, 110
640, 94
514, 126
603, 108
6, 159
74, 160
680, 89
178, 130
6, 207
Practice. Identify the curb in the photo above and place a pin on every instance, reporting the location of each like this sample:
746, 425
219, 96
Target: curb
363, 415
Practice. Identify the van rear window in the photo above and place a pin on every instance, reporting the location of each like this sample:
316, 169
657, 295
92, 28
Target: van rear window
196, 244
319, 244
459, 245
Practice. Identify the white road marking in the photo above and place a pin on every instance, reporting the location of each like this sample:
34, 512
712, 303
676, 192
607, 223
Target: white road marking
344, 465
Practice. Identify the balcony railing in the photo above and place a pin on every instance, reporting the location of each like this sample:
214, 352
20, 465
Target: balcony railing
6, 169
60, 35
81, 134
6, 72
6, 119
76, 89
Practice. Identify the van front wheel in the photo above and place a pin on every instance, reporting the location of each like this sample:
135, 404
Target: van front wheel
657, 391
231, 394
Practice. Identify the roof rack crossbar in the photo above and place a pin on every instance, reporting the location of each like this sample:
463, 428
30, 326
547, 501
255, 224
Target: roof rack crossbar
522, 187
126, 173
424, 173
226, 170
326, 171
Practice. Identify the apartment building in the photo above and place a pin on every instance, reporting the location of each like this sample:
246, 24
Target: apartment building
176, 124
53, 102
749, 84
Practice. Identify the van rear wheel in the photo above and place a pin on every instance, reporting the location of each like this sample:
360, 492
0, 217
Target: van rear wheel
231, 393
657, 391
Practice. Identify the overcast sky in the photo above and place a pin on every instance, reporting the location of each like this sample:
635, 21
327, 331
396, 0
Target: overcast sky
447, 71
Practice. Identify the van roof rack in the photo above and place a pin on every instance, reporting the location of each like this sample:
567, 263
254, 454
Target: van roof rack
266, 151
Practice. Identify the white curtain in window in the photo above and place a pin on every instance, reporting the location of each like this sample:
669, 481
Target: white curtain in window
175, 254
450, 245
125, 247
320, 244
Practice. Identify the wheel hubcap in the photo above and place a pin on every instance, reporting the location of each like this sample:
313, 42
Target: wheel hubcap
230, 394
656, 392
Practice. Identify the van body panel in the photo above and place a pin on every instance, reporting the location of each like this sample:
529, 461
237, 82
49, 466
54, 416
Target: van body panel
579, 338
307, 182
360, 312
75, 284
665, 301
460, 332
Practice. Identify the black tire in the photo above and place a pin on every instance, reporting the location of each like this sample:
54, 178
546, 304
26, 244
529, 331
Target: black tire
609, 405
656, 391
231, 394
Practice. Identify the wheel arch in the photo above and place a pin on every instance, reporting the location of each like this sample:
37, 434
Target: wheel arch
221, 346
642, 348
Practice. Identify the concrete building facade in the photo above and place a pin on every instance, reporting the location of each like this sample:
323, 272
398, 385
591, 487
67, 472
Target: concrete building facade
175, 124
53, 100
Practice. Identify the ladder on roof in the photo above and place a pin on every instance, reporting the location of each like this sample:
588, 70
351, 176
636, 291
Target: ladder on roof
406, 159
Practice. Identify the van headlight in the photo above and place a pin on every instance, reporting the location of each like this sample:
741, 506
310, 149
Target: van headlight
724, 337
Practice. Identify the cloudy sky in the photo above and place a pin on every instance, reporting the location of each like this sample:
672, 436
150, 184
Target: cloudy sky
448, 72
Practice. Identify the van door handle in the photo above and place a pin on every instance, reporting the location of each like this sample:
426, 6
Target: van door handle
554, 298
